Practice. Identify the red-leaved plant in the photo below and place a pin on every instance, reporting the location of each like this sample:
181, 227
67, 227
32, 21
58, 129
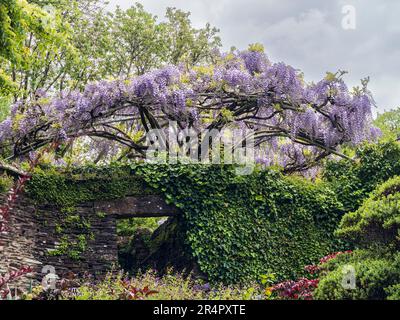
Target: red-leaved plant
9, 277
303, 288
19, 186
5, 209
133, 293
12, 197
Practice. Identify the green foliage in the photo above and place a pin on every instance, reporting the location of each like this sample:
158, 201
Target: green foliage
375, 227
4, 107
393, 292
389, 123
171, 286
186, 43
377, 221
138, 42
25, 32
353, 181
236, 227
56, 45
128, 227
70, 187
6, 183
239, 227
74, 232
72, 248
375, 274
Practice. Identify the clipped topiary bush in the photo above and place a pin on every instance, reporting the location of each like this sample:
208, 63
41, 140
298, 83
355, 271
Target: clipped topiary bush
377, 221
375, 228
374, 273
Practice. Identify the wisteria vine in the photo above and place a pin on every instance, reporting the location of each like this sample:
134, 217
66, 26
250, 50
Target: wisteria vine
296, 123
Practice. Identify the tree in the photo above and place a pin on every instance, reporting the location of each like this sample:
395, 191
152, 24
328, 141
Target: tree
69, 52
389, 123
138, 42
295, 124
81, 42
187, 44
17, 18
38, 42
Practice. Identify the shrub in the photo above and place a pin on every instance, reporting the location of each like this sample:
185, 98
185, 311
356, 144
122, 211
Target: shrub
374, 273
393, 292
5, 292
147, 286
302, 288
377, 221
374, 227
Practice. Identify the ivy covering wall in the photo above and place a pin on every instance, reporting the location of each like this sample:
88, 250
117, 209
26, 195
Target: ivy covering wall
236, 227
240, 227
68, 188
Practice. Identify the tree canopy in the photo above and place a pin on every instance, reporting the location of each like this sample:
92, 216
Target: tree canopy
17, 19
389, 123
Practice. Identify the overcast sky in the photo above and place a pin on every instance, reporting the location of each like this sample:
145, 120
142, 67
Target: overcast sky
309, 35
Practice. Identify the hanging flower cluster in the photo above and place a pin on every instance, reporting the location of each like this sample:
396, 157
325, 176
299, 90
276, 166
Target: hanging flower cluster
295, 123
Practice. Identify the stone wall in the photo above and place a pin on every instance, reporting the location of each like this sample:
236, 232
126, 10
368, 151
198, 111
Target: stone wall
36, 232
18, 245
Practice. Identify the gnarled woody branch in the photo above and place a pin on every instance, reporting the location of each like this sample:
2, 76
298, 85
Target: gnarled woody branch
11, 170
245, 90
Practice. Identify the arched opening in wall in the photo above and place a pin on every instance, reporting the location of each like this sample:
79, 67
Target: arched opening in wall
149, 234
144, 243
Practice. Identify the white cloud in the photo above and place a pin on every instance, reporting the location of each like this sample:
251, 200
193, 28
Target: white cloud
308, 35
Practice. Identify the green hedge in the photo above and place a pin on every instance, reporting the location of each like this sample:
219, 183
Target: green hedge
376, 276
377, 221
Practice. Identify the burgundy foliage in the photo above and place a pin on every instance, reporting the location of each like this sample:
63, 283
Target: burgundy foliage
9, 277
303, 288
